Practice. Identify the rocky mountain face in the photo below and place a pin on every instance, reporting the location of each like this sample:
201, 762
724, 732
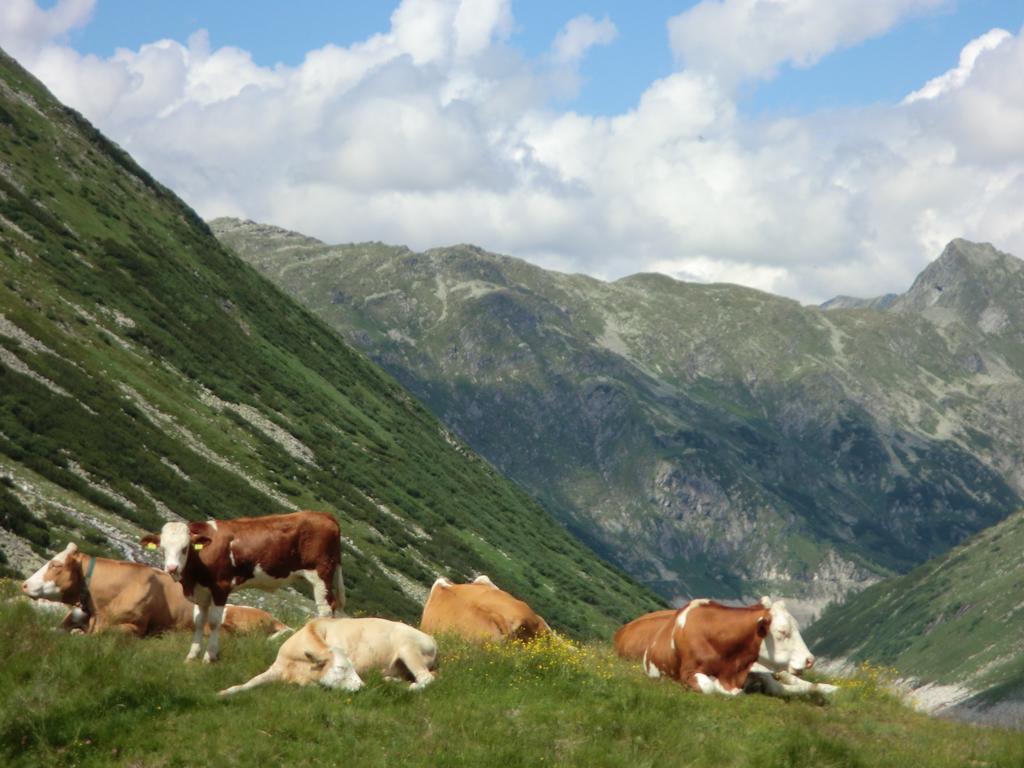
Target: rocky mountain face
710, 439
147, 374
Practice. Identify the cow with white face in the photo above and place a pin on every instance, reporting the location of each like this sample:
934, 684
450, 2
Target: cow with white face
212, 558
783, 658
783, 648
54, 579
767, 657
97, 593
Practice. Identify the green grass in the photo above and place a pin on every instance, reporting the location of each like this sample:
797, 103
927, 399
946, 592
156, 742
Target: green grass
109, 700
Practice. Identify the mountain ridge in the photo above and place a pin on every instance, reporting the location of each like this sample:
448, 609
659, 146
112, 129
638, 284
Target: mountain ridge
709, 438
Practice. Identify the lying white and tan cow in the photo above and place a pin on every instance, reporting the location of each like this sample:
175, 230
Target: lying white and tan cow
212, 558
130, 597
336, 652
479, 611
717, 648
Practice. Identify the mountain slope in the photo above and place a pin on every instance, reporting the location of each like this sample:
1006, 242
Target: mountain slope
708, 438
146, 373
957, 620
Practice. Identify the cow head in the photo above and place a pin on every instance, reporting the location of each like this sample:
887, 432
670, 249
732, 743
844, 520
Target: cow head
783, 648
340, 674
60, 579
177, 541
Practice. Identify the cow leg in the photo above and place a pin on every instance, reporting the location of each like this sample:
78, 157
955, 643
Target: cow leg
199, 613
708, 684
215, 618
76, 621
417, 666
337, 595
784, 685
320, 592
795, 684
272, 675
650, 668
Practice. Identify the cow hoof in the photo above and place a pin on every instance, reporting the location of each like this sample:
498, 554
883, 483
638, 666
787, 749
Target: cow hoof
208, 659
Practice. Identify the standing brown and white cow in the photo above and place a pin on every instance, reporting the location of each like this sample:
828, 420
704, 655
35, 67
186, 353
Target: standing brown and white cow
99, 594
211, 559
479, 611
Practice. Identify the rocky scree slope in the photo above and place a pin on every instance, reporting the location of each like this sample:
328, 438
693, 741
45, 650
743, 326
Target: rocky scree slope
710, 439
147, 374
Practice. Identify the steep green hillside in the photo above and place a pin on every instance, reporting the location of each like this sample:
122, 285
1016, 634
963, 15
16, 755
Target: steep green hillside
505, 707
147, 373
711, 439
957, 620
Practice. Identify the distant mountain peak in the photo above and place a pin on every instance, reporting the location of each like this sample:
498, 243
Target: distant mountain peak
852, 302
970, 280
228, 224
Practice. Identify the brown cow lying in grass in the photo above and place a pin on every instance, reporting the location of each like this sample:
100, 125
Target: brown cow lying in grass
335, 652
479, 611
130, 597
721, 649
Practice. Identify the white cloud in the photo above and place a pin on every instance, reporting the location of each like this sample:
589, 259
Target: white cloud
580, 34
436, 131
706, 269
750, 39
957, 76
25, 27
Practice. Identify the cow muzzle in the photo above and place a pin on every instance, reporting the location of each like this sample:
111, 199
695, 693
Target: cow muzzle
24, 587
798, 670
174, 572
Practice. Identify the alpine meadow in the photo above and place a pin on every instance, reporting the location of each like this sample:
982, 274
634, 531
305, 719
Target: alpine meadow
386, 395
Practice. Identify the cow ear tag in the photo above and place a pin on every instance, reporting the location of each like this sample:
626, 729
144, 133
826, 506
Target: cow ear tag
151, 545
197, 547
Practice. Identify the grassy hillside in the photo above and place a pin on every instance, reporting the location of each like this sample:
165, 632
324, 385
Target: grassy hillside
500, 707
146, 373
712, 439
956, 620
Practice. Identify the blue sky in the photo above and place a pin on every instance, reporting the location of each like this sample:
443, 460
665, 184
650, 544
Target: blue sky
880, 69
804, 148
